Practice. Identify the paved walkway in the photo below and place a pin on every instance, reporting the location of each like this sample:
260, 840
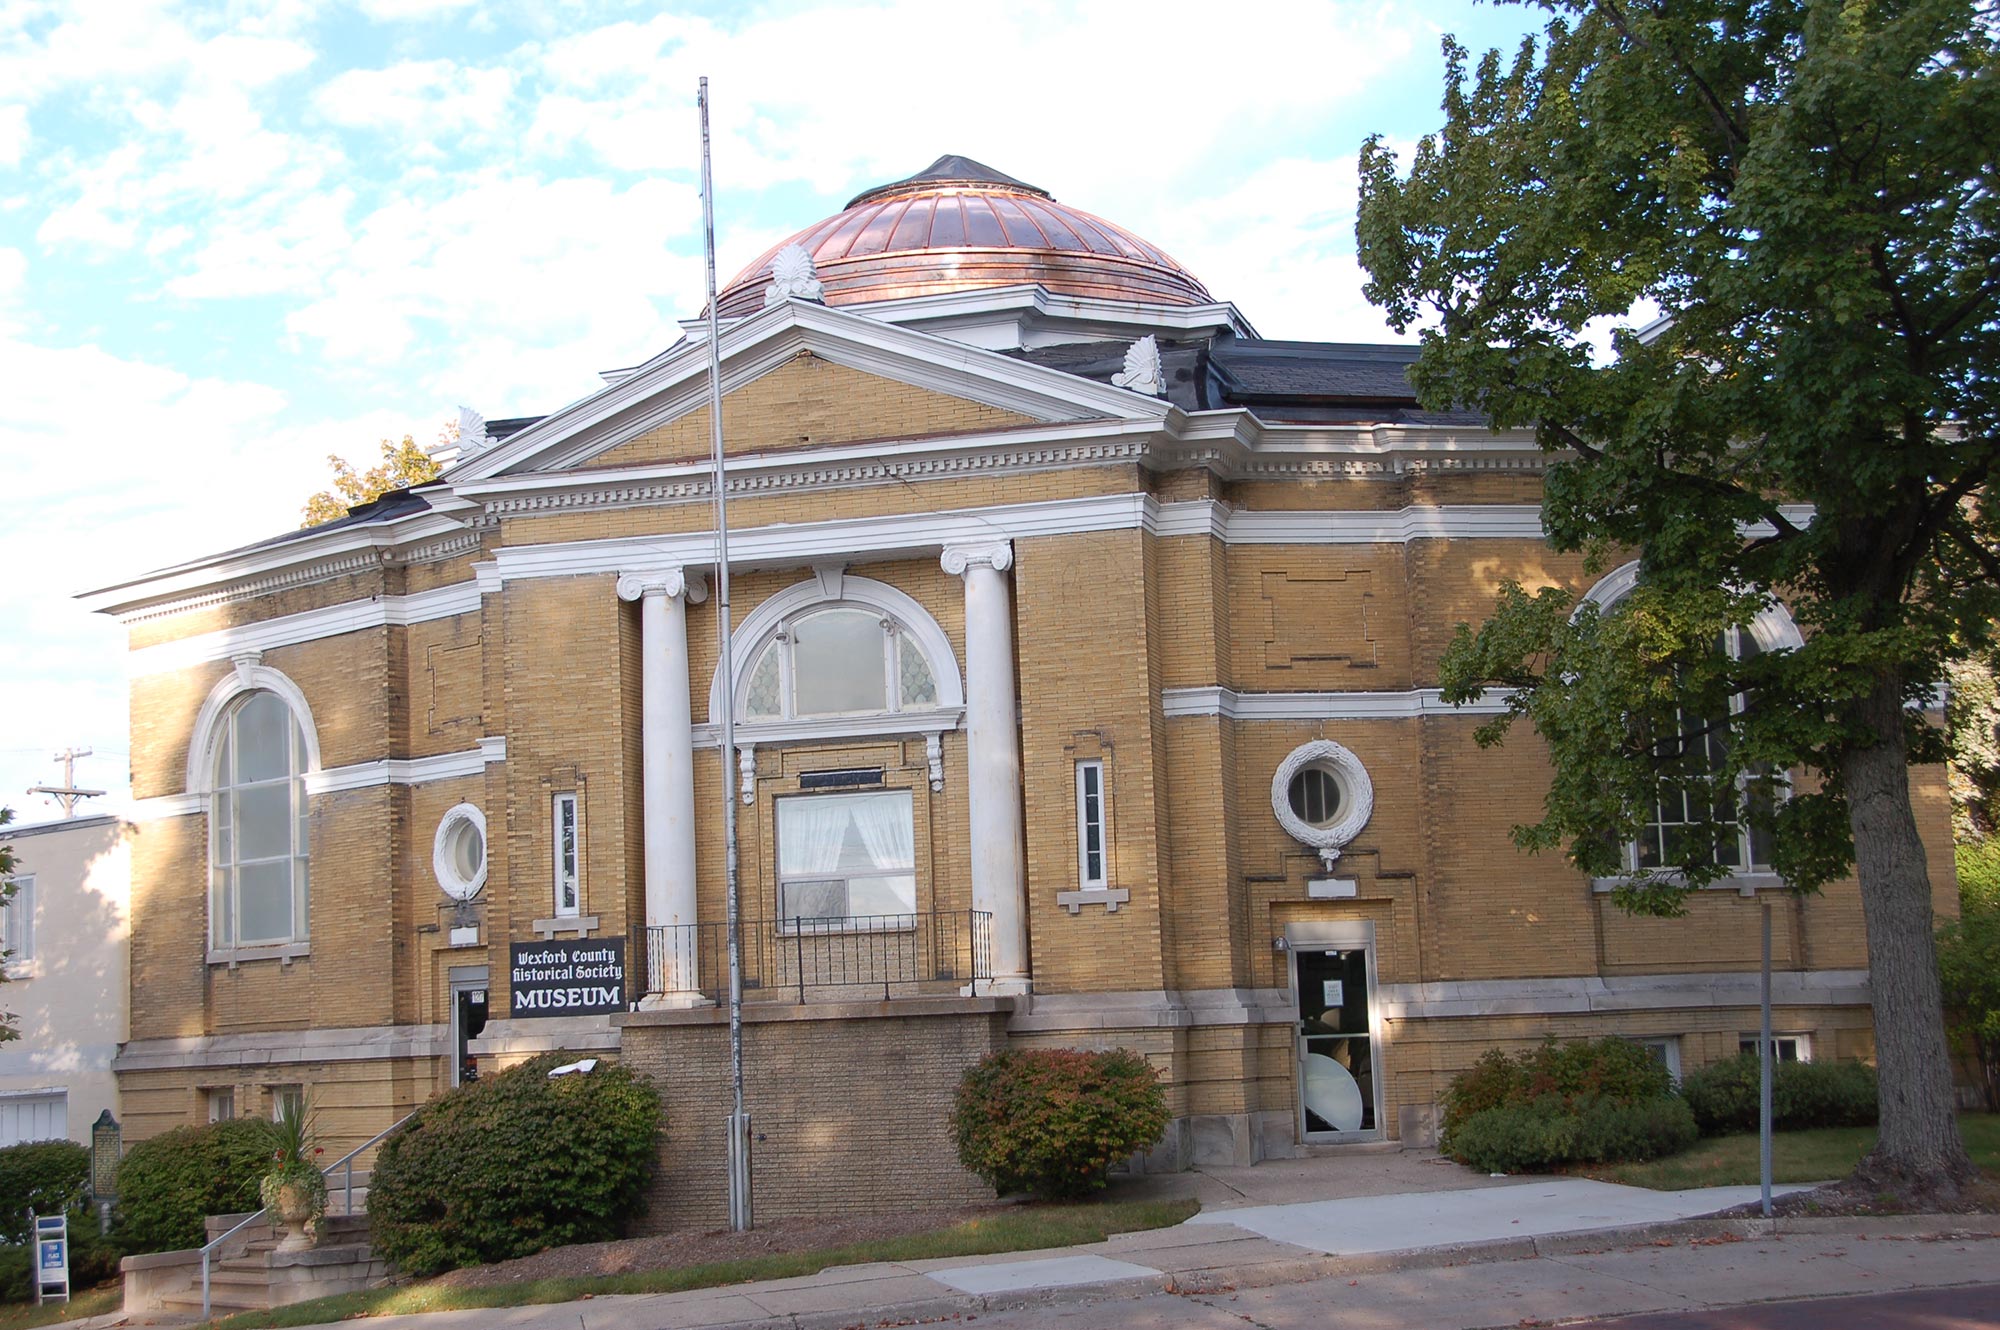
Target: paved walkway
1261, 1228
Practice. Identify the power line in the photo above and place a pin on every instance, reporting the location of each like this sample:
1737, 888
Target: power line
67, 794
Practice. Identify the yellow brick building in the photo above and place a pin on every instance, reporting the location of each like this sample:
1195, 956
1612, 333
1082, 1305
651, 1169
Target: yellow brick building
1085, 694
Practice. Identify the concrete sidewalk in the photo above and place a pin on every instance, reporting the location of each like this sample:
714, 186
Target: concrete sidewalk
1515, 1225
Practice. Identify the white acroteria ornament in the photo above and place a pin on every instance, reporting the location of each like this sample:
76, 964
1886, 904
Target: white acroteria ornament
792, 275
471, 432
1143, 371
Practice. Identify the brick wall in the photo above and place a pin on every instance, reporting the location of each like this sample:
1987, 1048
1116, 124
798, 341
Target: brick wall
850, 1102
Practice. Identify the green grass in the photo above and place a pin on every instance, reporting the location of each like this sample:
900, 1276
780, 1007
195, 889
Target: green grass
1023, 1228
1796, 1156
90, 1302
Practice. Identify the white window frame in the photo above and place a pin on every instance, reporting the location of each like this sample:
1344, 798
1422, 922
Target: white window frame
16, 1106
1086, 823
17, 928
220, 1102
1669, 1046
568, 875
896, 639
223, 793
1801, 1043
841, 923
281, 1094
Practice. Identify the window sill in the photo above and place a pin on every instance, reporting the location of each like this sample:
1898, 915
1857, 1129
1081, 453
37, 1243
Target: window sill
1109, 897
1743, 884
16, 970
277, 951
583, 925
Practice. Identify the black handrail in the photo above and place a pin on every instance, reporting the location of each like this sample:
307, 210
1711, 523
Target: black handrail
808, 959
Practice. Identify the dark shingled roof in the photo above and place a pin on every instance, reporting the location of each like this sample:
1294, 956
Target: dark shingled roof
958, 170
1282, 382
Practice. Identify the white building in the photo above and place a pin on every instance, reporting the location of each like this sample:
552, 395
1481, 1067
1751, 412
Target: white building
67, 929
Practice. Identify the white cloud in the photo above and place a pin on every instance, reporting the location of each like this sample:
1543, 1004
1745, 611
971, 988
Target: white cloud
418, 98
395, 10
13, 134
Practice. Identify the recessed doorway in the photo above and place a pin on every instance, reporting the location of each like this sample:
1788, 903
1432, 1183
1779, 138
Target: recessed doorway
1340, 1081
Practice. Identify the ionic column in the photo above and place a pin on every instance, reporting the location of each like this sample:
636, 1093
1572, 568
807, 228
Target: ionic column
667, 745
999, 876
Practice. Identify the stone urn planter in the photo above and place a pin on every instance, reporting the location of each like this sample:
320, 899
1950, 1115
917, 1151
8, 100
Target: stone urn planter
294, 1191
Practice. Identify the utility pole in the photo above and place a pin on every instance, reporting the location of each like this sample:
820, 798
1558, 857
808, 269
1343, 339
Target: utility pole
66, 793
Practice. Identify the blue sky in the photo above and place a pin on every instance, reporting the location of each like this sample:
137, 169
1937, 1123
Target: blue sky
238, 236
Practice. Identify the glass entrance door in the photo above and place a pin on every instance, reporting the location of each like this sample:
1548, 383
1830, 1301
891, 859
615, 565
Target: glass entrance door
1337, 1090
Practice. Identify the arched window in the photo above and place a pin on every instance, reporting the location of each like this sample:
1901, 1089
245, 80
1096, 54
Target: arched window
1680, 831
839, 660
257, 826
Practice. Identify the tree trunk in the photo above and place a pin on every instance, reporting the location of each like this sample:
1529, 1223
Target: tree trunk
1919, 1151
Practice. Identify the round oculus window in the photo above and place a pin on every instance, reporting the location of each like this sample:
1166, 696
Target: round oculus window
458, 855
1315, 796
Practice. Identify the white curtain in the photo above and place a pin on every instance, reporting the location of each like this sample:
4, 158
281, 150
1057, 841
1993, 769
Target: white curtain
886, 829
810, 834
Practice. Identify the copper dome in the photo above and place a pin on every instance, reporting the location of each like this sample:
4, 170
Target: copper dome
961, 226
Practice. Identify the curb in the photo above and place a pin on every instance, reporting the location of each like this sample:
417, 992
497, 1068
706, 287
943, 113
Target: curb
1292, 1270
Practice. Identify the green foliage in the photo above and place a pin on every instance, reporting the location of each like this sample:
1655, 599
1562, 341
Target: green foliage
295, 1159
1611, 1070
1053, 1121
170, 1183
1972, 720
1804, 193
403, 465
513, 1164
45, 1176
1978, 864
1804, 1095
1969, 964
1551, 1132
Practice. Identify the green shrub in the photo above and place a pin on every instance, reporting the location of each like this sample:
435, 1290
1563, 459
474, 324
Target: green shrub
1724, 1095
1053, 1121
45, 1176
1552, 1132
170, 1183
1978, 864
1571, 1074
513, 1164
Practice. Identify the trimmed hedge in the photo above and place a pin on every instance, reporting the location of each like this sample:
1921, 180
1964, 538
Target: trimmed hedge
1053, 1121
1723, 1095
1612, 1069
45, 1176
513, 1164
170, 1183
1549, 1133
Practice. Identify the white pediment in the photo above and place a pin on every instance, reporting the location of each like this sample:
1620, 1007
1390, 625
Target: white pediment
675, 384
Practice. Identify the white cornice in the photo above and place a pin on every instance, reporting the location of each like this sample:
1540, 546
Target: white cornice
1408, 705
672, 384
310, 625
354, 776
829, 729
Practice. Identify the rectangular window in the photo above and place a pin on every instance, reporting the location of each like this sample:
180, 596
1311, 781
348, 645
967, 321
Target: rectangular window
17, 924
1784, 1047
847, 860
569, 896
221, 1103
287, 1099
1665, 1051
1090, 824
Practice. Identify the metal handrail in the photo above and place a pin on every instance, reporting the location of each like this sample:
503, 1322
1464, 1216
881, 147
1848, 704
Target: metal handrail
345, 1162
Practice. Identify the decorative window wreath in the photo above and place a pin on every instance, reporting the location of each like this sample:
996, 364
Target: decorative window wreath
1312, 766
458, 854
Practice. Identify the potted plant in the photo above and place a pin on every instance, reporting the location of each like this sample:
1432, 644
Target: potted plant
294, 1190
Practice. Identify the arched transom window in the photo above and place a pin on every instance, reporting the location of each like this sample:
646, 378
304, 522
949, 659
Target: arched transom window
257, 827
839, 660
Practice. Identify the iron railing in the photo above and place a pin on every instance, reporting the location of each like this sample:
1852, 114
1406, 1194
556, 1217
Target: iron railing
849, 958
345, 1163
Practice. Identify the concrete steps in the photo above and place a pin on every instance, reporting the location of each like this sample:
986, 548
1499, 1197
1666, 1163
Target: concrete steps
250, 1274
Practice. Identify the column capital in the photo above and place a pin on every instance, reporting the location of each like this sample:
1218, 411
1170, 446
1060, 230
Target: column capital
666, 580
995, 554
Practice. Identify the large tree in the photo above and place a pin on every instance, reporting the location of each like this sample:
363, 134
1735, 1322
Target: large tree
403, 465
1805, 191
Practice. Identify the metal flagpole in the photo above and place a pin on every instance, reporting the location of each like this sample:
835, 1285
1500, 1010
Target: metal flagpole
1764, 1054
739, 1121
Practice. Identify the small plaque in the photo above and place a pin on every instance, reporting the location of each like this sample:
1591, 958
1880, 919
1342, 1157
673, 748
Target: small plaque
840, 780
1330, 888
1332, 993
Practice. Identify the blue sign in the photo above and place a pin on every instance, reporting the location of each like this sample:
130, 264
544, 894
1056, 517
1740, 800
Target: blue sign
53, 1256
